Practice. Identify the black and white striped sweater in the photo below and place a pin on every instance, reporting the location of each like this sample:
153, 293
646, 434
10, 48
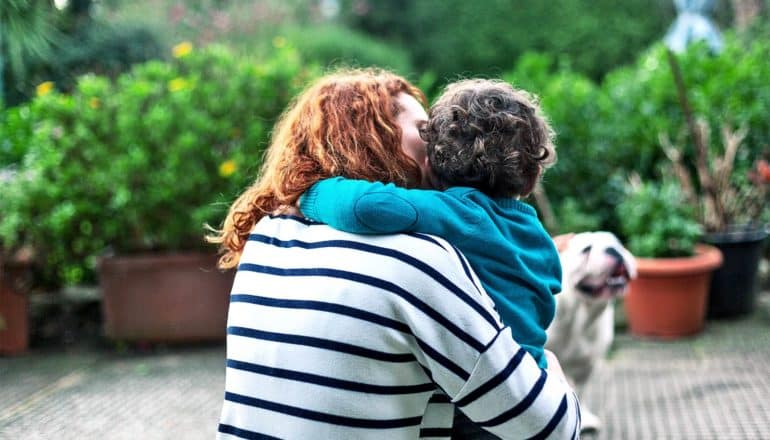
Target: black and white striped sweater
340, 336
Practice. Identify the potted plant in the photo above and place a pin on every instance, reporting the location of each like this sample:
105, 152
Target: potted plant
15, 281
668, 297
121, 176
14, 265
731, 203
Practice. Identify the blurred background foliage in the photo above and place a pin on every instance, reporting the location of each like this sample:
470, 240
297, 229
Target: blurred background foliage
140, 164
457, 37
40, 41
127, 125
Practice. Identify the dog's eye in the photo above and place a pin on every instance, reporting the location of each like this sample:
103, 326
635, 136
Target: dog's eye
586, 249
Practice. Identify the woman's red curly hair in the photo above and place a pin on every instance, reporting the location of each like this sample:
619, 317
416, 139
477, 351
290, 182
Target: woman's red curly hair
342, 125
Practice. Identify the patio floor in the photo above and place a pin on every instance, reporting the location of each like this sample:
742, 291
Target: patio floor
715, 385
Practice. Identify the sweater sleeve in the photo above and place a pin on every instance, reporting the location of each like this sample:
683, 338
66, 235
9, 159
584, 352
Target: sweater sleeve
365, 207
482, 369
543, 405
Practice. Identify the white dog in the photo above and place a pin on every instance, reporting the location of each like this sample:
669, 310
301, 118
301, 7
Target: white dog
596, 269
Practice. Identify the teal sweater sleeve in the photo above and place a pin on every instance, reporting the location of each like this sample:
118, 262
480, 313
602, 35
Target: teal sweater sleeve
365, 207
506, 245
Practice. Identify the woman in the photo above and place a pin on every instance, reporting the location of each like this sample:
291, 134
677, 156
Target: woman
334, 335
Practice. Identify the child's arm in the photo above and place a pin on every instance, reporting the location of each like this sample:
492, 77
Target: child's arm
375, 208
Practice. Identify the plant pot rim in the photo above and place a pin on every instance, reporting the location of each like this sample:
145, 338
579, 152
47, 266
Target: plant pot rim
14, 264
154, 258
738, 233
706, 259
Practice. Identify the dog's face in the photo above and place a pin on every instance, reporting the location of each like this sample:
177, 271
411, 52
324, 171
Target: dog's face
597, 266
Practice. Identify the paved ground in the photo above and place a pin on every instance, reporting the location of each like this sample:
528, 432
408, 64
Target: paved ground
713, 386
85, 395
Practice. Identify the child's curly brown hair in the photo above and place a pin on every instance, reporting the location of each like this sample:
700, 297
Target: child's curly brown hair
487, 135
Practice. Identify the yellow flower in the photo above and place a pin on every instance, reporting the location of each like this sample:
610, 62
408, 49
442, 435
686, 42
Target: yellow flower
44, 88
279, 42
94, 103
182, 49
178, 84
227, 168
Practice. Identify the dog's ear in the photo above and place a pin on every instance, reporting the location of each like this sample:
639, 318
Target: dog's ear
563, 241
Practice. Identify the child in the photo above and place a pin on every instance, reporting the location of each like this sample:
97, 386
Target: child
487, 145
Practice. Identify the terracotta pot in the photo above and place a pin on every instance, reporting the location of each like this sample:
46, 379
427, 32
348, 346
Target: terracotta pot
668, 298
14, 307
164, 298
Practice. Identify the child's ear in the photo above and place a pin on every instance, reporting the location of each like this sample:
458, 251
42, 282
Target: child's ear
539, 178
531, 187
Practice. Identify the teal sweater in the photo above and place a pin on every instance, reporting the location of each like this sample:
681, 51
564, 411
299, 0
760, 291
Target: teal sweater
505, 243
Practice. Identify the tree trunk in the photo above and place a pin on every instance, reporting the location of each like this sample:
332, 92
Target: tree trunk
2, 73
544, 205
745, 12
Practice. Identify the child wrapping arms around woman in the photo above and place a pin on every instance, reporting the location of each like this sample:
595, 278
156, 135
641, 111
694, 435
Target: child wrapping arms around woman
487, 145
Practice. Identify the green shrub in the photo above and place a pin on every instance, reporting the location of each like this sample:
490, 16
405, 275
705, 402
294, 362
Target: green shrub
458, 37
656, 222
730, 88
15, 134
331, 45
573, 216
606, 131
96, 47
142, 163
109, 49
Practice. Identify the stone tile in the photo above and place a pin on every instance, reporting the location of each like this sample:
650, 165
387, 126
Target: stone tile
171, 395
715, 385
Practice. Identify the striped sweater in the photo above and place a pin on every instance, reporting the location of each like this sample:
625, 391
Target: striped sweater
333, 335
